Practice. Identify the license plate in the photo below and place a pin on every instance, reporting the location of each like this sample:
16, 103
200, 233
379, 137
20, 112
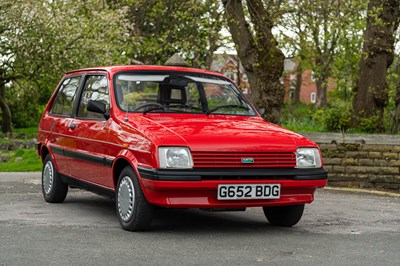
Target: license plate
249, 191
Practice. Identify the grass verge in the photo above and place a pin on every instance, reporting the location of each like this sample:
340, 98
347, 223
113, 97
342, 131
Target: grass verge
30, 161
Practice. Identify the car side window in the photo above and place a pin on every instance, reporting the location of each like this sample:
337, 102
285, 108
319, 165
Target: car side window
64, 101
96, 89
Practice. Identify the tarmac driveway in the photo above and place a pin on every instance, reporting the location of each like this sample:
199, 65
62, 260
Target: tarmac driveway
339, 228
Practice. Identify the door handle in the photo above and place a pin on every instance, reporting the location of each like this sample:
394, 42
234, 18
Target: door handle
72, 126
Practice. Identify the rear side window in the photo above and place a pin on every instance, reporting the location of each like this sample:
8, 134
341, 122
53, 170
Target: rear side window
96, 89
64, 100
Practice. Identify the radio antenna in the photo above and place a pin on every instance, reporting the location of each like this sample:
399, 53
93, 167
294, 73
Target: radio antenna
126, 114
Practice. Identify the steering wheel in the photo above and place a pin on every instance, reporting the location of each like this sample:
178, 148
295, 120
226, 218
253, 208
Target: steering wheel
156, 105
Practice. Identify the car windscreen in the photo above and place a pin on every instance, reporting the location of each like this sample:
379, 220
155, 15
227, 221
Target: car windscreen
179, 93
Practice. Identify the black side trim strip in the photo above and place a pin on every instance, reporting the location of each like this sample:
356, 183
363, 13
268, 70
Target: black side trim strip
87, 186
83, 156
57, 150
233, 174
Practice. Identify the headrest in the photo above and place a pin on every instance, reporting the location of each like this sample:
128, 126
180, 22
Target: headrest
171, 94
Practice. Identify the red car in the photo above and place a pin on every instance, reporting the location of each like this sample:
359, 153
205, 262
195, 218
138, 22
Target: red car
154, 136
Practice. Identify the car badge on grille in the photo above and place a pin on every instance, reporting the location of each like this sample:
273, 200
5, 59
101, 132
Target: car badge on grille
247, 160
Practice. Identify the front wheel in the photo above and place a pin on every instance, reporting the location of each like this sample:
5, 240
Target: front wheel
285, 216
133, 210
54, 190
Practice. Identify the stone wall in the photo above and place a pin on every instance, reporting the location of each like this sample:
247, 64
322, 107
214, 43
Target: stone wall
360, 160
366, 161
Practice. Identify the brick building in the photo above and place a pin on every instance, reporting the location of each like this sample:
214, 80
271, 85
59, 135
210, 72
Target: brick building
308, 89
230, 66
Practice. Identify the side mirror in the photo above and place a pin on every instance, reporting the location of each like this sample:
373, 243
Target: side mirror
98, 107
261, 111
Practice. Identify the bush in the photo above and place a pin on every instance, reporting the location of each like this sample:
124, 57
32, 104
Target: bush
336, 117
369, 124
300, 118
24, 106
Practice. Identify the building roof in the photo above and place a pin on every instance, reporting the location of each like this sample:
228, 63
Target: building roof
289, 65
176, 60
220, 61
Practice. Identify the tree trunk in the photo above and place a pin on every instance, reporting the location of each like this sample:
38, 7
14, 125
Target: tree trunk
210, 52
259, 54
322, 72
241, 35
322, 89
299, 81
371, 93
5, 110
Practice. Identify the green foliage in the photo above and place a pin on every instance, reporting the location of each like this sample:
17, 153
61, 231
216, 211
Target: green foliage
325, 35
30, 161
19, 153
306, 118
30, 132
163, 28
393, 82
301, 118
337, 117
40, 40
25, 109
368, 124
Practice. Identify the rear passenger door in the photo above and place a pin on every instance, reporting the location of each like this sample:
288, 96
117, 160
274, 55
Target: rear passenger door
89, 131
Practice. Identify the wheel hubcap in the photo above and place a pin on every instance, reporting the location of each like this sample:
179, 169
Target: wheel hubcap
48, 177
126, 198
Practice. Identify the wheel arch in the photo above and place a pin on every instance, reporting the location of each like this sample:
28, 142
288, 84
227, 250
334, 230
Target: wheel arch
126, 158
44, 152
119, 165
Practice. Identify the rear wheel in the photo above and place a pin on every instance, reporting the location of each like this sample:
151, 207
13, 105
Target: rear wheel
54, 190
133, 210
286, 216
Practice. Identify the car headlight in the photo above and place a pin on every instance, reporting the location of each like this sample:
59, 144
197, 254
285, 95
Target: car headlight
175, 157
308, 158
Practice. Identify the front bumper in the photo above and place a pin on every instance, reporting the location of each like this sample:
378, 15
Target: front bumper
233, 174
198, 188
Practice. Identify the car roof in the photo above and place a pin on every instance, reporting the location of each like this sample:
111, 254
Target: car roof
123, 68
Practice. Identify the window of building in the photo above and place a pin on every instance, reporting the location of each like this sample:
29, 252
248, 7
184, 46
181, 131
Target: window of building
244, 77
232, 74
291, 95
292, 81
313, 97
313, 76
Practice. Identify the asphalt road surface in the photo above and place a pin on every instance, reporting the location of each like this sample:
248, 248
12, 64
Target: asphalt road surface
337, 229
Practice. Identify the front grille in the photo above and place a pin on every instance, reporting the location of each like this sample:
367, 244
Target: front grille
258, 160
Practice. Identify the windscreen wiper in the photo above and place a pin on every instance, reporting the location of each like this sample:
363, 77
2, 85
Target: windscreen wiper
227, 106
155, 108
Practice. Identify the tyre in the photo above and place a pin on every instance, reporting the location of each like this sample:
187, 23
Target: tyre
53, 189
285, 216
133, 211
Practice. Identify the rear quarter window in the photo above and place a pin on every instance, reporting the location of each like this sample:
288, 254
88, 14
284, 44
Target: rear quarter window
64, 100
